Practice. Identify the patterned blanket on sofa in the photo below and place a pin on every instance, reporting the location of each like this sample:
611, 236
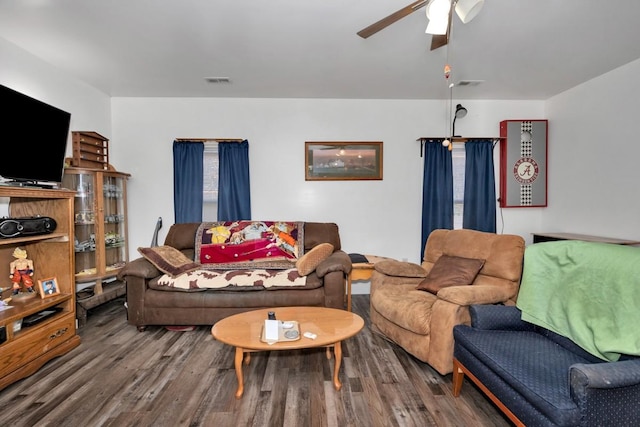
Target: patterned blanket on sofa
239, 245
206, 279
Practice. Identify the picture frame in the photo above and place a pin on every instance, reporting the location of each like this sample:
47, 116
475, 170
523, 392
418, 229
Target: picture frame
343, 161
48, 287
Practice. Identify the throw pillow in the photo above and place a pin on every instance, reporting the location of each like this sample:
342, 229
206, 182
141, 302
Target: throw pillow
451, 271
392, 267
309, 261
169, 260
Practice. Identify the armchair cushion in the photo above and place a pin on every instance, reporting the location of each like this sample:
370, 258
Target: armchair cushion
409, 309
392, 267
169, 260
451, 271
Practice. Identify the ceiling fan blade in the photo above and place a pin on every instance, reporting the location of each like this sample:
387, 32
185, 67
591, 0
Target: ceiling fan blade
439, 40
396, 16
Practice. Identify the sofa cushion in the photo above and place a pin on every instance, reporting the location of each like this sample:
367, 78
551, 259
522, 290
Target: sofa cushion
181, 236
536, 367
169, 260
321, 232
392, 267
309, 261
451, 271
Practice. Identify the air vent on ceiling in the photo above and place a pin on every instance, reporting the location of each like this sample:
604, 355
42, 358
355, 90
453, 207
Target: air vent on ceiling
469, 82
217, 79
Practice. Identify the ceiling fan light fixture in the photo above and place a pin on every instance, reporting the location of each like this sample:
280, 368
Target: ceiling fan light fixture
438, 14
436, 27
438, 8
468, 9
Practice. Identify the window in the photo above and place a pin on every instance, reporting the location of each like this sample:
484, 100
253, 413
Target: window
210, 185
458, 161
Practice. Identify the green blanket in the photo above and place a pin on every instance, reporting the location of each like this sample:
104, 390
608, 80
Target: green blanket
587, 292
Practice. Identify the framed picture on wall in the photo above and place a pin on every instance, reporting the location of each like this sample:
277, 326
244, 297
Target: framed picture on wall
336, 161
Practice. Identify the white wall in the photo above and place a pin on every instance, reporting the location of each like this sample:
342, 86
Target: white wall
593, 157
376, 217
90, 109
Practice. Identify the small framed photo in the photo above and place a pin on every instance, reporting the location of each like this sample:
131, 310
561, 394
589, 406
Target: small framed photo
48, 287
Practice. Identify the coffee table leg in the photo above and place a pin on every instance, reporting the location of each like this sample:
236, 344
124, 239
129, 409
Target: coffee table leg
238, 365
337, 349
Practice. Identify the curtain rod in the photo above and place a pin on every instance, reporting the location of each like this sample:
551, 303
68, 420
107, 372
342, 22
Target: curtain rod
461, 139
210, 139
453, 139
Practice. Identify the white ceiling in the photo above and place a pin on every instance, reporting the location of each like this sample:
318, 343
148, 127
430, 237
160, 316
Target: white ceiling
522, 49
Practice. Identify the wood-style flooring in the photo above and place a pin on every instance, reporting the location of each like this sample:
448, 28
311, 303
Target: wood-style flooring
121, 377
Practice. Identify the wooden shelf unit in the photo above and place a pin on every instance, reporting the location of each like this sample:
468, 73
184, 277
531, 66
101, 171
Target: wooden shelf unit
90, 150
27, 348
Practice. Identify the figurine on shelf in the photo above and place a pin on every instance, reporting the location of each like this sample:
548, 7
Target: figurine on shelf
21, 270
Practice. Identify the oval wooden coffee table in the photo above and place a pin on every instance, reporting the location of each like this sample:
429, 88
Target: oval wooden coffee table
243, 331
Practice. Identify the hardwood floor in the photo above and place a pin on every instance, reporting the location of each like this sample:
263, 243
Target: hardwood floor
121, 377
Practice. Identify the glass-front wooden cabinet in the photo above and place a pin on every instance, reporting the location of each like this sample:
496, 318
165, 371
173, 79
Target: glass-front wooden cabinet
100, 245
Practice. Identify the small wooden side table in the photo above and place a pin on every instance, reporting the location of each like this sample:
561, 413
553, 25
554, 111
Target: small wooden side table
361, 271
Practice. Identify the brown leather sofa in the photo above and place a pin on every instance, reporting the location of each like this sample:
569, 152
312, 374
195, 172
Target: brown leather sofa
422, 322
151, 305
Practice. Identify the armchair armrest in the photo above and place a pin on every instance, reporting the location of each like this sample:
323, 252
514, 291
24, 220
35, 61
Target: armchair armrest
498, 317
337, 261
476, 294
604, 391
139, 267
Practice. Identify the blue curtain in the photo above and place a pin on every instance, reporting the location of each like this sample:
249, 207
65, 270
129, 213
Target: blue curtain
479, 187
437, 190
234, 196
187, 181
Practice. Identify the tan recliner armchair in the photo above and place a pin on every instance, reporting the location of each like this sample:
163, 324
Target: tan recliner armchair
421, 322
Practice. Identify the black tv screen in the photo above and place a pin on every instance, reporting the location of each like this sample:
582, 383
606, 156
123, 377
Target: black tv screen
33, 138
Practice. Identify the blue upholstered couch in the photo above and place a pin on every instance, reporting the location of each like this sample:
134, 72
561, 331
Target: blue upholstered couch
538, 377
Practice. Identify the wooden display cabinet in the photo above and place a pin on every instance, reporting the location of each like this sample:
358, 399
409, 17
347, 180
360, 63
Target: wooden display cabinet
26, 348
100, 221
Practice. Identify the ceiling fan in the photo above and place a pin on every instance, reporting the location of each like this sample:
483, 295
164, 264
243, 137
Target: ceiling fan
439, 13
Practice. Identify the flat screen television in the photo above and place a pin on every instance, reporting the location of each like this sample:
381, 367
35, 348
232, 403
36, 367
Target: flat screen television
33, 139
